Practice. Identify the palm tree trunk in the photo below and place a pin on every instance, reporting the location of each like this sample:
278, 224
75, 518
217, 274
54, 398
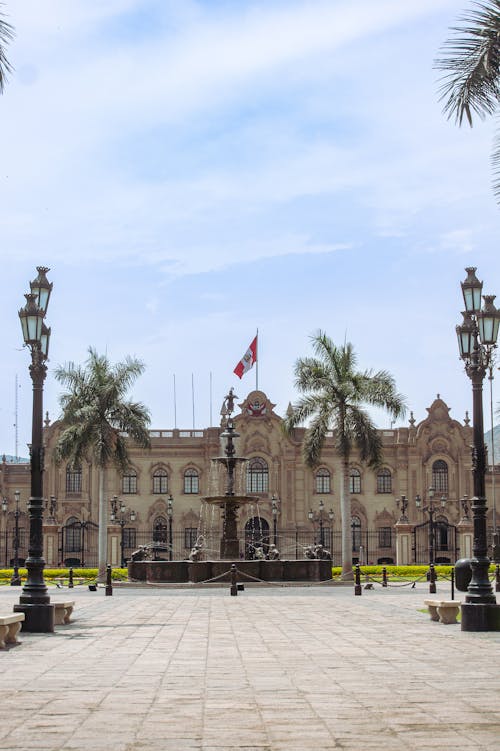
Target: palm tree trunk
345, 520
103, 530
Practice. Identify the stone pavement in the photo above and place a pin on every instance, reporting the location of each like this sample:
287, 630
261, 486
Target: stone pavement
277, 669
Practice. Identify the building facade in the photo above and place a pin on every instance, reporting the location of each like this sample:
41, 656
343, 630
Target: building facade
160, 498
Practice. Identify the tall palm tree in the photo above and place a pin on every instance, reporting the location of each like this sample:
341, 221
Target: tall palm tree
471, 62
6, 34
97, 420
335, 395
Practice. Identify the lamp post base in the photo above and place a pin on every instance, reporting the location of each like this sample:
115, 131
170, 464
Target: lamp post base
480, 617
38, 618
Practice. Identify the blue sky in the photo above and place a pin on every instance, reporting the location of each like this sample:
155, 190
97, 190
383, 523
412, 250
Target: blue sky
193, 171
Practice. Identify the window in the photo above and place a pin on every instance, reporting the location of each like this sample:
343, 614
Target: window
354, 481
356, 533
129, 537
129, 483
257, 476
73, 479
160, 482
440, 476
191, 481
190, 537
73, 535
160, 529
385, 537
384, 481
442, 527
322, 481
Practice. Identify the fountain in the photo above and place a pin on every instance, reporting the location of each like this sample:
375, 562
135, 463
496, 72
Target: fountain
199, 567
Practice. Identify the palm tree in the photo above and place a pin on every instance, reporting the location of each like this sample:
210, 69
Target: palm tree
6, 34
471, 61
97, 420
335, 394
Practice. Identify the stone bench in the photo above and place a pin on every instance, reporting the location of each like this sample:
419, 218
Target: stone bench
62, 612
10, 626
444, 611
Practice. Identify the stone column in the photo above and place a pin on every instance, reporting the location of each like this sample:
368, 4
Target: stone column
404, 534
465, 529
51, 551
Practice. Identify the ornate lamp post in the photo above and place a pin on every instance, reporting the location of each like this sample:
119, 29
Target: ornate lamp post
320, 517
431, 509
122, 521
477, 337
15, 580
4, 510
170, 513
34, 601
275, 512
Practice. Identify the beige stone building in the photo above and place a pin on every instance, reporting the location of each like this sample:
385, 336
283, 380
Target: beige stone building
160, 498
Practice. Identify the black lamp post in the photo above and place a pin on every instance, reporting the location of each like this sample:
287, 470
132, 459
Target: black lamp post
15, 580
34, 601
4, 510
122, 521
170, 513
275, 511
431, 509
320, 517
477, 337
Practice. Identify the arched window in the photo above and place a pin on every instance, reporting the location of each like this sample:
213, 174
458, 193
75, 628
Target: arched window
129, 482
73, 479
257, 476
440, 476
160, 482
160, 529
356, 533
191, 481
73, 535
322, 481
384, 481
354, 481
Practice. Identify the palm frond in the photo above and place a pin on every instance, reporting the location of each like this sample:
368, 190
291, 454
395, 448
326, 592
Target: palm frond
471, 61
6, 35
365, 436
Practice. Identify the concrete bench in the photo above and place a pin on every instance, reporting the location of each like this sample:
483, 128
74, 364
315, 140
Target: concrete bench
62, 612
10, 626
444, 611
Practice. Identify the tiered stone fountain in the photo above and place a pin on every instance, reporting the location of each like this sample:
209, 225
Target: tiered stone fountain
197, 568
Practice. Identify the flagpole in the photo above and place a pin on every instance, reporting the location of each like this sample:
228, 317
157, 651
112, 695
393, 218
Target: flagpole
257, 361
175, 406
192, 394
210, 398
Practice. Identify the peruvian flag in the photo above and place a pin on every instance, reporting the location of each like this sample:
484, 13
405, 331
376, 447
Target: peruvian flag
247, 360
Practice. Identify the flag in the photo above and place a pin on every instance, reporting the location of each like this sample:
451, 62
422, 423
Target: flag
247, 360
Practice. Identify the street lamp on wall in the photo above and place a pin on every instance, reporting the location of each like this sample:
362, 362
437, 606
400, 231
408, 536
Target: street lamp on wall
34, 601
170, 513
477, 338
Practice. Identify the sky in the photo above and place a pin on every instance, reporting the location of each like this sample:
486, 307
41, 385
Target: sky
191, 172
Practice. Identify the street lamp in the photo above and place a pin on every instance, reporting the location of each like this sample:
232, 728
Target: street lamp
122, 521
170, 513
402, 506
4, 510
320, 517
34, 601
275, 512
477, 337
15, 580
431, 509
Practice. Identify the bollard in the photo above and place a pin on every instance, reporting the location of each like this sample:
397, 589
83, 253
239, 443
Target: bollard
432, 579
70, 579
384, 576
109, 586
452, 584
497, 579
234, 584
357, 586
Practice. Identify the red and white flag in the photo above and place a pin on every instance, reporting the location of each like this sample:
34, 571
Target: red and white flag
248, 359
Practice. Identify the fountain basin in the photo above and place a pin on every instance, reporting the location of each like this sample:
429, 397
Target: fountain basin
202, 571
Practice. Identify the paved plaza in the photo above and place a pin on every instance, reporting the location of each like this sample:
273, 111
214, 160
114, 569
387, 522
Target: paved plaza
273, 669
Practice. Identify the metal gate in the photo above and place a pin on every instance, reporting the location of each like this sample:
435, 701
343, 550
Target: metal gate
435, 542
78, 544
